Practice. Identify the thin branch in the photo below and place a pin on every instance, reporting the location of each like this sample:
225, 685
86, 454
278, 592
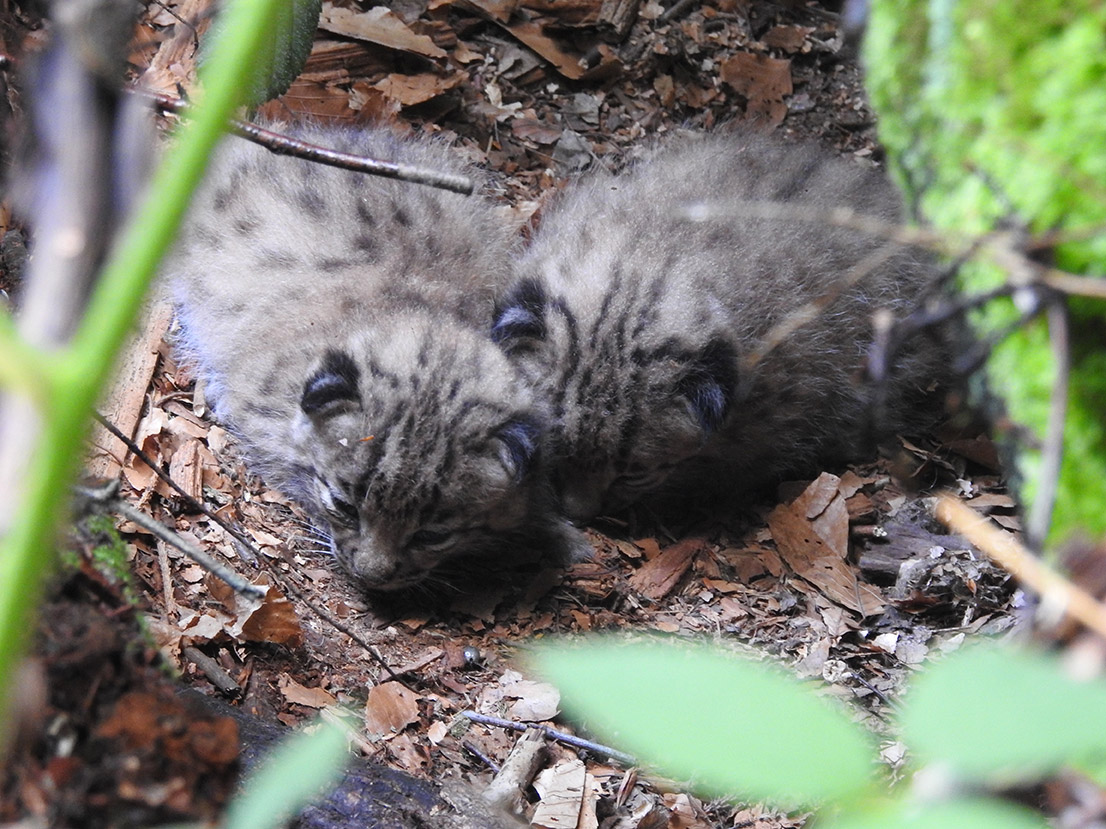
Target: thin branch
283, 145
298, 595
472, 749
677, 9
1052, 454
189, 501
1068, 283
553, 734
781, 331
1014, 557
104, 498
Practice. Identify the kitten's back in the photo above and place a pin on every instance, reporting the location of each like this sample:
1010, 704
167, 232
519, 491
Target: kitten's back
650, 292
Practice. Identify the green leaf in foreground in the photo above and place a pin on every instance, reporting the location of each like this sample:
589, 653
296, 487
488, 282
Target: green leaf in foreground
989, 711
736, 727
283, 55
975, 813
295, 773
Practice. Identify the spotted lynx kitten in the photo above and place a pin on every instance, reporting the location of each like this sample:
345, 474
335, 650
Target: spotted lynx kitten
339, 321
644, 295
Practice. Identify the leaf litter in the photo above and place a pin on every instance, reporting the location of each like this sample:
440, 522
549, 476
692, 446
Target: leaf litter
533, 90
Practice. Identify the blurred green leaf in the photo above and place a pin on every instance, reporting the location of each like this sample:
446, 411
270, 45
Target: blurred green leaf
296, 772
283, 55
975, 813
734, 726
1003, 713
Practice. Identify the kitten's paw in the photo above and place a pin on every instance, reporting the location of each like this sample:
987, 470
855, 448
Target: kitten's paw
569, 542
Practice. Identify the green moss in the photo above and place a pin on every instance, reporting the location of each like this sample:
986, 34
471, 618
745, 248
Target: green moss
994, 115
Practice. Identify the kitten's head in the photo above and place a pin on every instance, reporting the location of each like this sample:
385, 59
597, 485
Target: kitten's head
626, 408
423, 450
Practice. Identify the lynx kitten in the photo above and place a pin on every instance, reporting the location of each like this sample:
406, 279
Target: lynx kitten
644, 295
339, 321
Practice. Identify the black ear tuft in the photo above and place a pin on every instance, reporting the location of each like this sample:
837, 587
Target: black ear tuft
521, 314
335, 380
711, 383
521, 439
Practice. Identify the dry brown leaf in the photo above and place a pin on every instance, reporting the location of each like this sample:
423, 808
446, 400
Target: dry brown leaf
409, 90
523, 699
309, 98
391, 707
301, 695
992, 500
763, 80
656, 578
788, 38
497, 10
815, 549
534, 130
437, 732
409, 754
378, 25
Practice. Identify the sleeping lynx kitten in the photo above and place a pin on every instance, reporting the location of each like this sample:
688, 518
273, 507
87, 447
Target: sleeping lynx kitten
643, 296
339, 322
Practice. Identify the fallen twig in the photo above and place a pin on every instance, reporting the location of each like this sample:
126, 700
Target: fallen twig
283, 145
553, 734
1014, 557
105, 498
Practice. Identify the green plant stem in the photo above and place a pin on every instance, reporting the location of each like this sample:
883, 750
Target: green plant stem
71, 390
22, 367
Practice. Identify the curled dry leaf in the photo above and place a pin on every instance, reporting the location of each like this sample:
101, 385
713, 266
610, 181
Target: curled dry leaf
520, 699
390, 708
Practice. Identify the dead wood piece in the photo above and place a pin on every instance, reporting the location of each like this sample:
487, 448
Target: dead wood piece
619, 16
508, 790
213, 671
123, 405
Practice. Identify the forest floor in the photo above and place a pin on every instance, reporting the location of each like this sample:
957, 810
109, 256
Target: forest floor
535, 91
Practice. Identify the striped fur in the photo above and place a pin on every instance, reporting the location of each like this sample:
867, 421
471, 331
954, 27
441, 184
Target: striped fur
339, 322
643, 295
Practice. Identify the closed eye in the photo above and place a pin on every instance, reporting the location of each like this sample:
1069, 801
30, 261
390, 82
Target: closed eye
342, 511
431, 538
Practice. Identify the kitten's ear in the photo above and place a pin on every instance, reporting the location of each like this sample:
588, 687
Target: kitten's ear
710, 384
334, 381
520, 315
519, 441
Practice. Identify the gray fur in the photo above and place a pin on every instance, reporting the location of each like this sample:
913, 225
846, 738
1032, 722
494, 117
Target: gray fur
643, 295
338, 320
